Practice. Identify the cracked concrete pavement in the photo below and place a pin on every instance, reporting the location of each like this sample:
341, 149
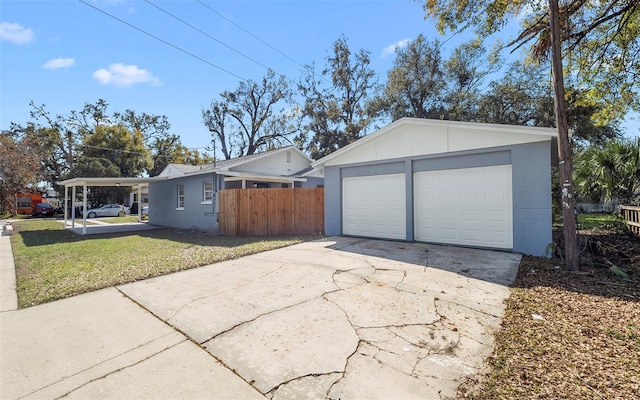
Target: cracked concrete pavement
338, 318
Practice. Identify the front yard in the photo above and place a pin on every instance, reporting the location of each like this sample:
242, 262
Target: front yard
571, 335
53, 263
565, 334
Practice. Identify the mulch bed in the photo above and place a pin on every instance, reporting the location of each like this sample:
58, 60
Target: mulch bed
570, 335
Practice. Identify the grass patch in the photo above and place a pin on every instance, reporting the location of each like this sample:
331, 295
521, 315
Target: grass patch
78, 222
589, 221
120, 220
53, 263
587, 343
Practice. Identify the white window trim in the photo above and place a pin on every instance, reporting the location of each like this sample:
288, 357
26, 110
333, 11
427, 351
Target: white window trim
204, 192
178, 208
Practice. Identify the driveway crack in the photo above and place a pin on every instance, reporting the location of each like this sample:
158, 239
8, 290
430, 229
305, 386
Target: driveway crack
344, 372
255, 318
271, 392
465, 306
107, 360
120, 369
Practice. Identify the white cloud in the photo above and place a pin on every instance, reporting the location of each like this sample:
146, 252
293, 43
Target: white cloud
15, 33
391, 49
59, 63
122, 75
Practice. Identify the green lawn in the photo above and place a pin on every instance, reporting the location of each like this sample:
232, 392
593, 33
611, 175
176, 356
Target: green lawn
53, 263
596, 220
120, 220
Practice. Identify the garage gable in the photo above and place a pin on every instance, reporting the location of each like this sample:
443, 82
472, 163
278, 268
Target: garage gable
409, 137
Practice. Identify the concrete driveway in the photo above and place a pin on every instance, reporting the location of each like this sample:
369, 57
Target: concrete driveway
337, 318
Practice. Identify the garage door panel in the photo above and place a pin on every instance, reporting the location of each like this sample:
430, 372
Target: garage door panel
469, 206
450, 234
471, 236
497, 216
374, 206
470, 196
496, 194
471, 216
496, 237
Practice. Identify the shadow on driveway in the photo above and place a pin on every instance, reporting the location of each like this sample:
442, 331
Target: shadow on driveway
487, 265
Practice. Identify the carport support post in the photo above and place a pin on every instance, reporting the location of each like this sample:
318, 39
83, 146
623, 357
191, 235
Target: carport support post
65, 204
73, 207
139, 204
84, 209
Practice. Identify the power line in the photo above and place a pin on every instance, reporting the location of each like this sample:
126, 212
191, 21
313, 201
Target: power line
306, 67
249, 33
112, 149
163, 41
209, 36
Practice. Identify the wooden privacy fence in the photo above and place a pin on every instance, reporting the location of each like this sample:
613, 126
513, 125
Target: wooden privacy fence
271, 212
631, 214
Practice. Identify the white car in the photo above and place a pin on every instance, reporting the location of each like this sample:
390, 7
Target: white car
108, 210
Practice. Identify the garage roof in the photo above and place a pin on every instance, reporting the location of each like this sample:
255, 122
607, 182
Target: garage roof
416, 136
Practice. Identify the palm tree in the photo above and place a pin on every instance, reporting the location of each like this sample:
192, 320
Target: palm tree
610, 171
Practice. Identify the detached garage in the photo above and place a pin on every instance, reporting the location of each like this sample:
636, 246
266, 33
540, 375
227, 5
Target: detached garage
468, 184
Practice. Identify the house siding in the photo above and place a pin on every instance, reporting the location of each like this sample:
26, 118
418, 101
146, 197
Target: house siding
531, 186
195, 215
310, 183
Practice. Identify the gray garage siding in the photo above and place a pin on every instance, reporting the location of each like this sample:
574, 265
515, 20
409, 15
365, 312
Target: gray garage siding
531, 173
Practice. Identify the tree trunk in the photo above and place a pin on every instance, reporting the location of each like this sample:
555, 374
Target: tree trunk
572, 257
70, 154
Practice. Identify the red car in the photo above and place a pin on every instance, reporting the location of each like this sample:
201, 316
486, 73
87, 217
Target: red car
42, 209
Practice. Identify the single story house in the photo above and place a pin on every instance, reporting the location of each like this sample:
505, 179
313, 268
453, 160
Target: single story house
468, 184
185, 196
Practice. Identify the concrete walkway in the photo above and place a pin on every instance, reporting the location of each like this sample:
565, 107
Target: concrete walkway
337, 318
8, 296
95, 227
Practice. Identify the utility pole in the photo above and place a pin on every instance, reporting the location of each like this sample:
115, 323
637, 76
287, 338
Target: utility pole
572, 258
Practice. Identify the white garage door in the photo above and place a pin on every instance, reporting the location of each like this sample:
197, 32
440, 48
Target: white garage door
469, 206
374, 206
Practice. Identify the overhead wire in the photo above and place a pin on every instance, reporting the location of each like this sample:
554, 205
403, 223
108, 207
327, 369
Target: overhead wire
211, 37
112, 149
163, 41
247, 32
179, 49
306, 67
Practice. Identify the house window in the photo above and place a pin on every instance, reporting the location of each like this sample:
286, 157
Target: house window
180, 196
24, 202
207, 191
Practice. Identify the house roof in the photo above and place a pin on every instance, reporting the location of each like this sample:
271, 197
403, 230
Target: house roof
539, 132
222, 166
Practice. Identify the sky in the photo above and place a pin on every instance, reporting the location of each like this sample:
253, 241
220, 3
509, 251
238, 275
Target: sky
173, 58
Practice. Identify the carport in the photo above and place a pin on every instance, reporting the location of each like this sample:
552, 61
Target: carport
104, 181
